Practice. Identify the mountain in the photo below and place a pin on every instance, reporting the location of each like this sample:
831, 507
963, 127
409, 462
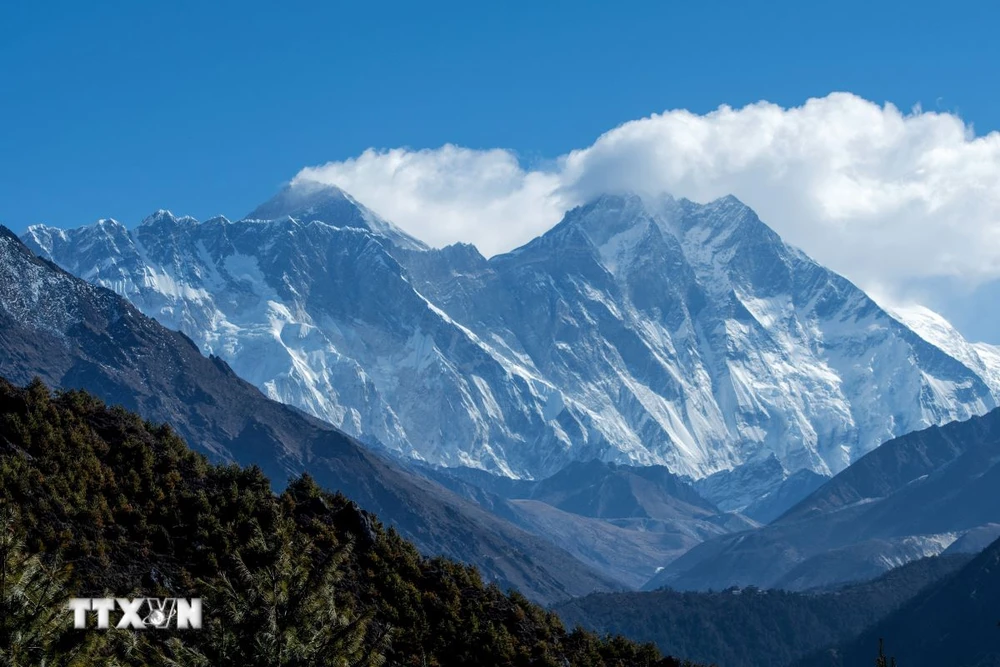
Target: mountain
623, 521
303, 577
784, 496
598, 489
981, 357
702, 340
753, 483
914, 496
73, 334
951, 623
648, 332
312, 202
975, 540
751, 627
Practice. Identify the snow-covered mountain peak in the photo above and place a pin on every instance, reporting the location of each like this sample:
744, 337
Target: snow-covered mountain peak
717, 295
44, 236
310, 201
303, 199
982, 358
608, 215
723, 219
931, 326
721, 223
164, 218
463, 256
719, 240
727, 205
106, 223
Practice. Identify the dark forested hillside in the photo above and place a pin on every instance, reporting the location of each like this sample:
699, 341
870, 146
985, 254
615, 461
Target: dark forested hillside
953, 623
97, 501
753, 627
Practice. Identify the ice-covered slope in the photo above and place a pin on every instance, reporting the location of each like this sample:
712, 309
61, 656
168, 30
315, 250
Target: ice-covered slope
694, 337
648, 332
982, 358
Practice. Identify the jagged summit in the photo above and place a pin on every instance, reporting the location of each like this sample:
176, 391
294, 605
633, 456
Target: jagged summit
163, 217
606, 216
308, 201
108, 222
302, 199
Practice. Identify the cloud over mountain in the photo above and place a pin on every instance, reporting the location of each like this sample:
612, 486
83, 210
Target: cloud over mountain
884, 196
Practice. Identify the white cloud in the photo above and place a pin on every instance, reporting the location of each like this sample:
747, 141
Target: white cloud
451, 194
882, 196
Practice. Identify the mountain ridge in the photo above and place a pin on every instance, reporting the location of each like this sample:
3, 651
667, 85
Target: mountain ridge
916, 495
645, 332
625, 522
749, 627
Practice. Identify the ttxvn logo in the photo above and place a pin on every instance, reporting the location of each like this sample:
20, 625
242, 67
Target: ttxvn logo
138, 613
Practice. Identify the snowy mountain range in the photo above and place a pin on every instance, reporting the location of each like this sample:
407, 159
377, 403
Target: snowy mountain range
639, 331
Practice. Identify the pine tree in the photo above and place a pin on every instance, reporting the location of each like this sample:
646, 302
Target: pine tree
287, 603
882, 661
34, 624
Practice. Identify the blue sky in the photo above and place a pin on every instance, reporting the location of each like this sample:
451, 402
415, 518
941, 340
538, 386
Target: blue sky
119, 108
